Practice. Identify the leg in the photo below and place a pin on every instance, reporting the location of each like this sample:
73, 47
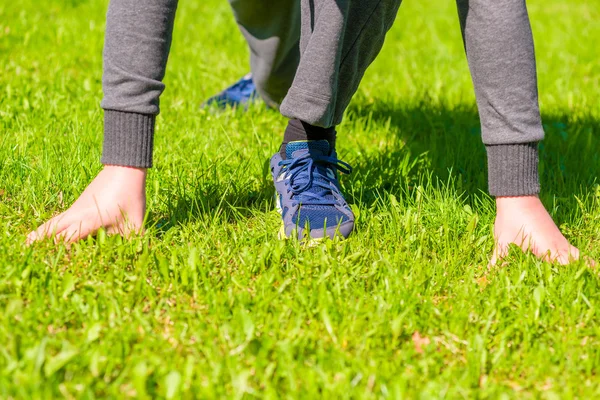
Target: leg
272, 30
136, 49
138, 38
339, 40
499, 47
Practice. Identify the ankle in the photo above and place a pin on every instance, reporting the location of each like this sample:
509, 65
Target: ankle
133, 177
297, 130
125, 170
508, 203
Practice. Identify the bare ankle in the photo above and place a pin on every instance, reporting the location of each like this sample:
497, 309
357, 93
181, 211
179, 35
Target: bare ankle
512, 202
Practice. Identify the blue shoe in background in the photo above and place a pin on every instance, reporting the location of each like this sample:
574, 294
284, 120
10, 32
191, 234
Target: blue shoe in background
239, 94
308, 194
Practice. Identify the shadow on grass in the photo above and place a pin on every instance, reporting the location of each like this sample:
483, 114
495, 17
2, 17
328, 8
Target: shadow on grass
430, 140
446, 141
226, 200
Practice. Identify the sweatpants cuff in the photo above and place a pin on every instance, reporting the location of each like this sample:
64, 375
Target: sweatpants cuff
513, 169
311, 108
128, 139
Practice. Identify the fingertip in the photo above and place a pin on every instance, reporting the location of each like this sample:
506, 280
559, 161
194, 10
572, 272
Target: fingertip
34, 236
70, 235
573, 255
500, 251
30, 238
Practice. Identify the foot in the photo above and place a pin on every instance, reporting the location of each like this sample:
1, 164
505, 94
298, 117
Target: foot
239, 94
525, 222
115, 201
308, 193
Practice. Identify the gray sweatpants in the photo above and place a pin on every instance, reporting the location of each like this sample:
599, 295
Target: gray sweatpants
310, 55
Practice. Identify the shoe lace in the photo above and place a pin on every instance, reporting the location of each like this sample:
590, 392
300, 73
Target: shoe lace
309, 182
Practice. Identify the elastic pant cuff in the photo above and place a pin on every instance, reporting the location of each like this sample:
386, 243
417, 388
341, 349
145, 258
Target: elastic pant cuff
309, 107
128, 139
513, 169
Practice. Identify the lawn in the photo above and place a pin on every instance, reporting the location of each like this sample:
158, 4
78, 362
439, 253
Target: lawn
209, 303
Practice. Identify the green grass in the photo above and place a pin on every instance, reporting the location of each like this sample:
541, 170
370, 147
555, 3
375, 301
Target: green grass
208, 303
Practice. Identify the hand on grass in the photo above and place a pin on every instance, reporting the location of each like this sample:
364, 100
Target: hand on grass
115, 200
525, 222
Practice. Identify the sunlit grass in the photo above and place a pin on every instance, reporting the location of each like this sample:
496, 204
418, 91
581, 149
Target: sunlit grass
209, 303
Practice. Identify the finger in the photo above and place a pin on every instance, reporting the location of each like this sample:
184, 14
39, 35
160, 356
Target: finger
51, 227
493, 260
590, 261
125, 228
500, 251
565, 257
573, 254
78, 230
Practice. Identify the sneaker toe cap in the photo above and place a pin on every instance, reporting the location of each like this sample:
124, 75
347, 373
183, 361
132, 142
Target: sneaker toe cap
342, 230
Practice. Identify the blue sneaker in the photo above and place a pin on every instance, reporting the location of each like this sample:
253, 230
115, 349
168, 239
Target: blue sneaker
308, 193
240, 93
